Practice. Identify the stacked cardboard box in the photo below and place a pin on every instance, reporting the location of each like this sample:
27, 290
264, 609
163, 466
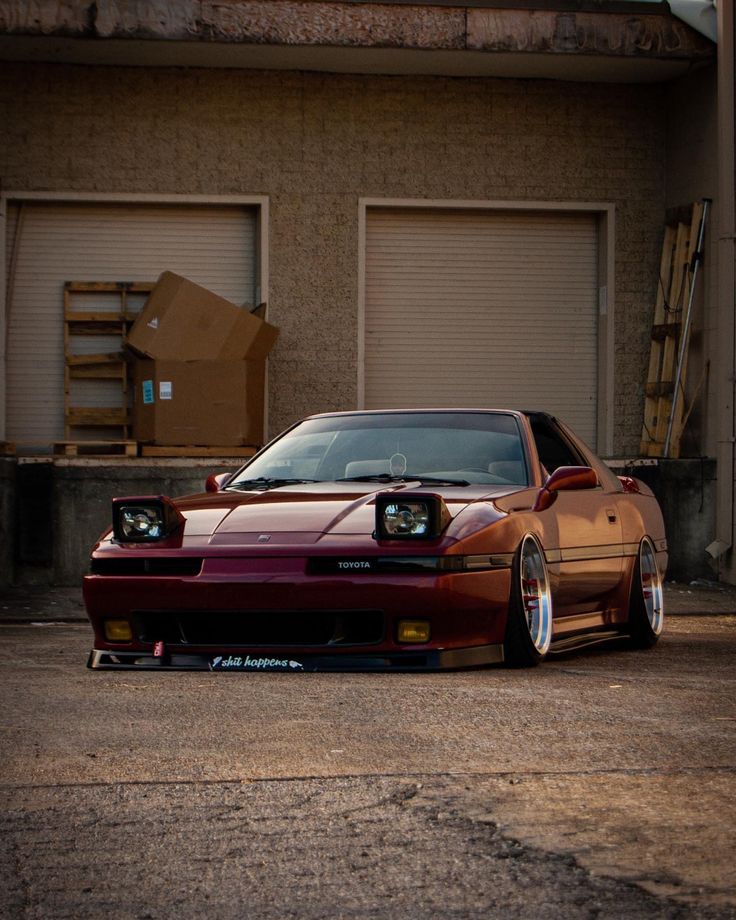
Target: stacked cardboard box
199, 368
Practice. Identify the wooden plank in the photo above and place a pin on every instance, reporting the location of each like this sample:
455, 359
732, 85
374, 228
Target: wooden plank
78, 416
98, 371
99, 328
660, 333
112, 317
671, 343
659, 388
149, 450
655, 355
111, 357
95, 448
665, 274
678, 399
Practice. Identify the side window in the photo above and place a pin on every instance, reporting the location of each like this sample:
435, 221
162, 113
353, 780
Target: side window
553, 449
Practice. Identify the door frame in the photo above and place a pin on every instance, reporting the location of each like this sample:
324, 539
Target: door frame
259, 202
606, 218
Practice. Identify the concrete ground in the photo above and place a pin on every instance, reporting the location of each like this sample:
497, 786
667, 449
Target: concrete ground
600, 785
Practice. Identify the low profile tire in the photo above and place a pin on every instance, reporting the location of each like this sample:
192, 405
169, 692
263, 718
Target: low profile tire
529, 625
646, 607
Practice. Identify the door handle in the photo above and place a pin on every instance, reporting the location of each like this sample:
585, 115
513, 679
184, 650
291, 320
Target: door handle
611, 515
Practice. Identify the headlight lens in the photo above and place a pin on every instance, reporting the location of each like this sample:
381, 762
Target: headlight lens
137, 523
143, 520
410, 516
406, 519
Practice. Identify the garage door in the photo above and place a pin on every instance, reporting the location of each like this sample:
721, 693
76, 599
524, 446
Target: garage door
48, 244
483, 309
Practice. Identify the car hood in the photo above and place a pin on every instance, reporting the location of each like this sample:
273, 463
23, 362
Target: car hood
306, 512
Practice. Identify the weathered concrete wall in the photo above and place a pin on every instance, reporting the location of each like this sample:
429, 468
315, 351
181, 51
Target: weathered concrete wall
686, 490
317, 143
7, 521
79, 512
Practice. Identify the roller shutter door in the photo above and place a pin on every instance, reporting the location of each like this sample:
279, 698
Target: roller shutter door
483, 309
53, 243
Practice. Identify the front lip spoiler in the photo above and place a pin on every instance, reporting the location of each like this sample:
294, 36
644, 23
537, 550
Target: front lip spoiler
433, 660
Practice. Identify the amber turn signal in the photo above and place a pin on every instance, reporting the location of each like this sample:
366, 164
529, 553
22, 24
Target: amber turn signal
416, 631
118, 631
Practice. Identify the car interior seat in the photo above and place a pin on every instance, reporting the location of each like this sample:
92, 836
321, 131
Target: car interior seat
508, 462
367, 467
512, 470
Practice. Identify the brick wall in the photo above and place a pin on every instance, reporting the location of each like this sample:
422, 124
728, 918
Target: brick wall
316, 143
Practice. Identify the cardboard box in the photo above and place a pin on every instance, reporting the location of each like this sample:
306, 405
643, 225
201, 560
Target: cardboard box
182, 321
212, 403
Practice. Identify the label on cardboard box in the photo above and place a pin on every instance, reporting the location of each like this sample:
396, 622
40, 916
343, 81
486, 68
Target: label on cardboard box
218, 403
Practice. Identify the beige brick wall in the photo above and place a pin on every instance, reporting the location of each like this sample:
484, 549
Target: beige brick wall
315, 144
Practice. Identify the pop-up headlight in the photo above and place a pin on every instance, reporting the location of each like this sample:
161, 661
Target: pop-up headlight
414, 517
144, 520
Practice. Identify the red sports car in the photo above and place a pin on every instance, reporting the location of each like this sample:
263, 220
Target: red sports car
397, 539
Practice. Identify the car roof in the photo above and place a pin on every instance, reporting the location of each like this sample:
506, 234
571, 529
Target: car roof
446, 410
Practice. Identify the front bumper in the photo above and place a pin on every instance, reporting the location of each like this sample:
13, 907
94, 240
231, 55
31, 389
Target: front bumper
320, 622
432, 660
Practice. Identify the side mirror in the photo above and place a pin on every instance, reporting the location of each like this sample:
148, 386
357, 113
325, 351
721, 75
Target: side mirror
565, 479
215, 481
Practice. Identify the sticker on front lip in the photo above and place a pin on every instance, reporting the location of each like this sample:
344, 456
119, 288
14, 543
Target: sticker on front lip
248, 663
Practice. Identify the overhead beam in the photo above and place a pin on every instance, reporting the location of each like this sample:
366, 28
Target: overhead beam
652, 33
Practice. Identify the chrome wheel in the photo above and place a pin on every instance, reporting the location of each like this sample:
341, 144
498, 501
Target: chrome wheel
536, 598
651, 586
646, 607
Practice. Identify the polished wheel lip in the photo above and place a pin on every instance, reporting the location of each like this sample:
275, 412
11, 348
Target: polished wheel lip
536, 595
651, 586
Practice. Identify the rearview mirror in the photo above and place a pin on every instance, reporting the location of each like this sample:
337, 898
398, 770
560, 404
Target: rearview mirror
216, 481
565, 479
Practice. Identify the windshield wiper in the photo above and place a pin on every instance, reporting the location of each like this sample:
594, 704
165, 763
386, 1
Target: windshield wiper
405, 477
265, 482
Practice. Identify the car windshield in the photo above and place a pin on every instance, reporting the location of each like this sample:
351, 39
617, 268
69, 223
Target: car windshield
449, 447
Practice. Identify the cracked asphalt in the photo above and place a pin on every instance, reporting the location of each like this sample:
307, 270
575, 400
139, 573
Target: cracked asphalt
600, 785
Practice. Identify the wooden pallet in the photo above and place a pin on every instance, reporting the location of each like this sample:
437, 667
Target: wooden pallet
678, 248
108, 366
96, 448
98, 417
149, 450
95, 367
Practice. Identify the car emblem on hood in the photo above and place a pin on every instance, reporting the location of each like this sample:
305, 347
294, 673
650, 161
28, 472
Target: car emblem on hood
264, 538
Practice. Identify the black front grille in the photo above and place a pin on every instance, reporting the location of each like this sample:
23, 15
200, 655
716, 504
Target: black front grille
181, 565
247, 628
